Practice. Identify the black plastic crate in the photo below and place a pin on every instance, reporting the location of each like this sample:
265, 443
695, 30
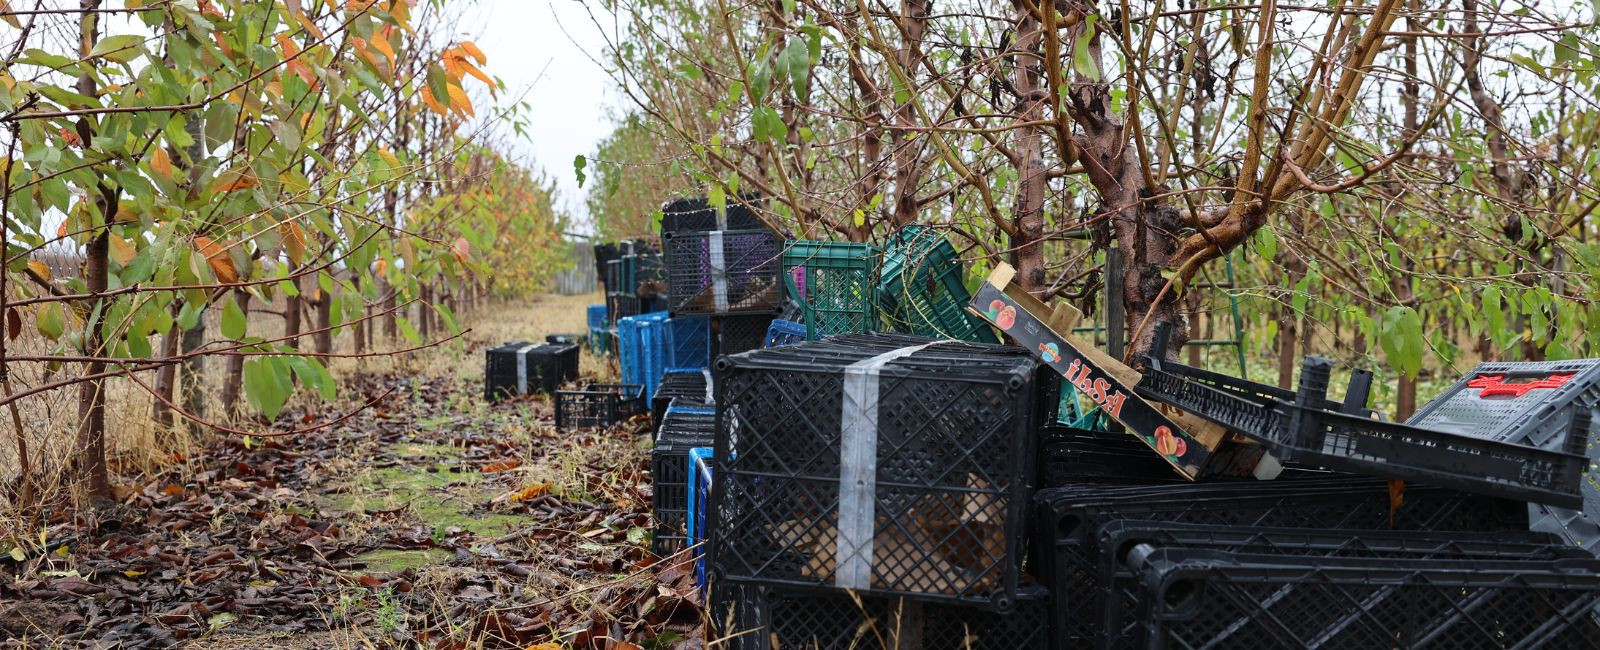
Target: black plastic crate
606, 253
742, 333
1068, 455
1201, 598
524, 368
598, 405
1537, 403
681, 430
776, 619
621, 305
936, 489
698, 215
1311, 430
723, 272
1119, 625
1069, 517
686, 387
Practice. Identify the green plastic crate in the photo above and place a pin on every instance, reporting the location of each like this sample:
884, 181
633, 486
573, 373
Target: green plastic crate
835, 283
921, 291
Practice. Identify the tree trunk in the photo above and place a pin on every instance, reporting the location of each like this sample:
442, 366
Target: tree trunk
234, 383
1028, 212
291, 314
91, 394
913, 22
323, 338
167, 376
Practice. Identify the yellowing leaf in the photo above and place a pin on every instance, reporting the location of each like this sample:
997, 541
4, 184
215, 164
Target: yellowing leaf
471, 49
479, 74
132, 574
462, 249
381, 267
40, 269
381, 44
18, 555
121, 250
217, 257
459, 101
127, 212
388, 156
160, 163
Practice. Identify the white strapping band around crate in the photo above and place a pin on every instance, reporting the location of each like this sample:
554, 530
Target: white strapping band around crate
522, 368
719, 273
858, 468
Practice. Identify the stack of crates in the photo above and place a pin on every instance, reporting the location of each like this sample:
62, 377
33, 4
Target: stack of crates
1167, 563
688, 342
638, 339
683, 386
523, 368
922, 288
836, 285
683, 428
600, 331
889, 467
723, 265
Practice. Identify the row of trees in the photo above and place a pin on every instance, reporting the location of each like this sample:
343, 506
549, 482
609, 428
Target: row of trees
1410, 176
211, 162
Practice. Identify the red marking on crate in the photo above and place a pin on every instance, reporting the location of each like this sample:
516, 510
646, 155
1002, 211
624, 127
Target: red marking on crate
1495, 385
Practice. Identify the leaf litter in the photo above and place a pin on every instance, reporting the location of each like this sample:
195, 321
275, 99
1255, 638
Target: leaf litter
403, 527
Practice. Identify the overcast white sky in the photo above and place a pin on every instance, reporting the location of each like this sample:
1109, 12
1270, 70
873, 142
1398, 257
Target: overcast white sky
526, 46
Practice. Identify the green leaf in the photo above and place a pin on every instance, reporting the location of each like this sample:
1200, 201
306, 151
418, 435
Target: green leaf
265, 385
1081, 61
1267, 243
796, 61
233, 319
1402, 341
50, 320
408, 331
188, 315
578, 163
123, 48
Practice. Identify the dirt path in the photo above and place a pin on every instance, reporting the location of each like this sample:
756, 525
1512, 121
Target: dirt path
434, 519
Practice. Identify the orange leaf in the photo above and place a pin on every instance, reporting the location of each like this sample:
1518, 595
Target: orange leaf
222, 44
40, 269
217, 256
502, 466
160, 164
172, 489
294, 240
382, 265
479, 74
531, 492
433, 103
472, 50
233, 180
462, 249
71, 137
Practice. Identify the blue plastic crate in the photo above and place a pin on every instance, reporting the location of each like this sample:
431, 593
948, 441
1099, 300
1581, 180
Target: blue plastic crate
652, 344
699, 495
630, 349
784, 332
597, 317
688, 342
